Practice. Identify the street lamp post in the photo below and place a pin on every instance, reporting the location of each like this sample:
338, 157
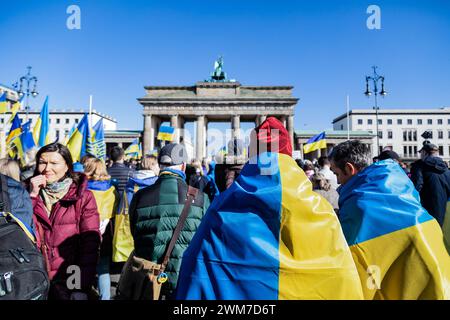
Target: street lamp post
30, 81
374, 79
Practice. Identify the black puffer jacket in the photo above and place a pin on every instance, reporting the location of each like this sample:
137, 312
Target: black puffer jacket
435, 191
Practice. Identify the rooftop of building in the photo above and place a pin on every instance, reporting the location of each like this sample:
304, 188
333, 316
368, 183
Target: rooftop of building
70, 111
403, 111
334, 133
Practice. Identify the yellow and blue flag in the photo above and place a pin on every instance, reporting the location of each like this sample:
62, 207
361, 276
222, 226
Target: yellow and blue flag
269, 236
41, 129
4, 104
78, 141
106, 197
27, 137
22, 143
15, 108
134, 150
16, 129
98, 140
16, 149
315, 143
397, 246
166, 133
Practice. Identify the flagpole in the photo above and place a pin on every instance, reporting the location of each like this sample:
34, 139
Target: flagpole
348, 117
90, 110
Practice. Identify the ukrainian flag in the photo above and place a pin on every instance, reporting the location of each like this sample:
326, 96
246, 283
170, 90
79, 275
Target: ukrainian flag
78, 141
269, 236
16, 129
315, 143
165, 133
133, 151
3, 103
397, 246
27, 137
40, 131
17, 144
23, 142
15, 108
98, 140
106, 197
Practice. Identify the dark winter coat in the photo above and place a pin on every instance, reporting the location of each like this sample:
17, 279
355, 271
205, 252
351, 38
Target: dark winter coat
121, 173
435, 190
72, 237
154, 214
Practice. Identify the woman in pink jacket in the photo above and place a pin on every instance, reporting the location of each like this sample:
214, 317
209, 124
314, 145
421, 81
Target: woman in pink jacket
67, 223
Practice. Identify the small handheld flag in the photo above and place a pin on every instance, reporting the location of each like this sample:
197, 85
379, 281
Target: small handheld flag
315, 143
166, 133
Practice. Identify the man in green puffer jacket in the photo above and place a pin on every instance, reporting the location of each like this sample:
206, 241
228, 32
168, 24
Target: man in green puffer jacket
155, 210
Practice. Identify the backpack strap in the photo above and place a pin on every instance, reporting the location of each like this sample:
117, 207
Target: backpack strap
5, 205
191, 194
20, 223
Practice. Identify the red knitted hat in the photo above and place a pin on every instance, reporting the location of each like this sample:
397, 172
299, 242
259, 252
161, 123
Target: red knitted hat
274, 134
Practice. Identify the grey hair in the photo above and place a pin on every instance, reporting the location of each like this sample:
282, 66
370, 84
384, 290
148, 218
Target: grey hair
352, 151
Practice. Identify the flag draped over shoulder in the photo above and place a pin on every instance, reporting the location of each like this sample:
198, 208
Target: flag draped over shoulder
41, 129
315, 143
106, 197
269, 236
79, 140
397, 246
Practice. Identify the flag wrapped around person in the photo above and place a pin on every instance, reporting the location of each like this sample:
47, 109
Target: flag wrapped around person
269, 236
397, 246
106, 197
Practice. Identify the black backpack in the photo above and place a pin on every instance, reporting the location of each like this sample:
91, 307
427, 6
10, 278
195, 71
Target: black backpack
23, 274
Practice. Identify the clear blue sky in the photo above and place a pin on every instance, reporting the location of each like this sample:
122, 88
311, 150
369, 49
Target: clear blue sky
322, 48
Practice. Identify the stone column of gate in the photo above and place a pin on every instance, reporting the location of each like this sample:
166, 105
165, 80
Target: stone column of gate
174, 124
149, 134
181, 122
201, 139
236, 125
290, 129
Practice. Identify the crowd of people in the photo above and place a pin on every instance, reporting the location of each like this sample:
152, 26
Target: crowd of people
305, 230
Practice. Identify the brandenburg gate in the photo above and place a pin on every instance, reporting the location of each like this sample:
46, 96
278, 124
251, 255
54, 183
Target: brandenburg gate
216, 99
